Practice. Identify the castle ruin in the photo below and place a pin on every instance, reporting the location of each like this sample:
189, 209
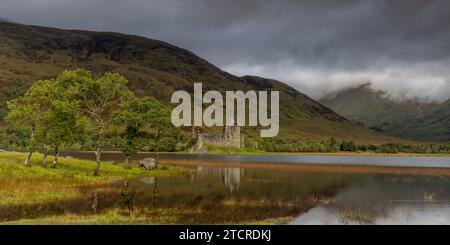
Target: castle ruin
230, 137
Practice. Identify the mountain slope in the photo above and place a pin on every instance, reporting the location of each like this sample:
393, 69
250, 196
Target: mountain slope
376, 110
432, 126
154, 68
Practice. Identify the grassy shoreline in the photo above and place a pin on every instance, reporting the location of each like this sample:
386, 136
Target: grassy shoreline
38, 192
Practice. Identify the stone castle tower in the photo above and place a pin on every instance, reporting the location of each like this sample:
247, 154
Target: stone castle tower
230, 137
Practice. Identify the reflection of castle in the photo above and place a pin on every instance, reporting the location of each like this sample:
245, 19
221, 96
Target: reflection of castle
231, 177
230, 137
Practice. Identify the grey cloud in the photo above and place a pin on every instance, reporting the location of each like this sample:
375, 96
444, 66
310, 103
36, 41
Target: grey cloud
402, 46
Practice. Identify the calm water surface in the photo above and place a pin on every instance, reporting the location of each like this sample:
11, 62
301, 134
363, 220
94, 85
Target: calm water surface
398, 161
312, 198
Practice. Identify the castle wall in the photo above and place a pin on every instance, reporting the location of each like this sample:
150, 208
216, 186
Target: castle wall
220, 140
231, 137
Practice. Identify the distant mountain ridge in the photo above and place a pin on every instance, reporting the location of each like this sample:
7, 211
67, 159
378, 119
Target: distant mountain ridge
156, 69
431, 126
378, 111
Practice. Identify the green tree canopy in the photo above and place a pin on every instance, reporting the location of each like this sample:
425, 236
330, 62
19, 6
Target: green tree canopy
144, 114
98, 99
28, 111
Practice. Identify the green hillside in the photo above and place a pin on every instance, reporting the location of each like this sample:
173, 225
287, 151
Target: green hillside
154, 68
431, 126
409, 119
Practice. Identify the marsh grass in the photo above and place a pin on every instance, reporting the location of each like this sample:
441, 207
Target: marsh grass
358, 215
322, 199
206, 212
38, 191
428, 197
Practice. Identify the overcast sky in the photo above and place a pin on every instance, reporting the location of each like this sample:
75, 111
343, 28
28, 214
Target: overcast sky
318, 47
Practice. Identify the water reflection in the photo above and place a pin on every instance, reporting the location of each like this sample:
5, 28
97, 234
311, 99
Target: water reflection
386, 200
316, 198
399, 161
231, 177
232, 195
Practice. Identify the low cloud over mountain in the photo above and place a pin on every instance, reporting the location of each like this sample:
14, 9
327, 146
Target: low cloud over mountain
319, 47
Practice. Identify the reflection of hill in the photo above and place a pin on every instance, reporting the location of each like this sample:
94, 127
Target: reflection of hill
231, 177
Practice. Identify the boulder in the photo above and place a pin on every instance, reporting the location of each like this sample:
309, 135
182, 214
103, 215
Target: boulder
148, 163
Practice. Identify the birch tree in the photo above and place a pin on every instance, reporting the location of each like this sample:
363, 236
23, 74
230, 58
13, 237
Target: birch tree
98, 99
62, 127
28, 110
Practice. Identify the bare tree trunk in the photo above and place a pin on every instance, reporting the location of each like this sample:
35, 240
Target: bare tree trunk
97, 162
55, 160
44, 159
98, 151
28, 156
